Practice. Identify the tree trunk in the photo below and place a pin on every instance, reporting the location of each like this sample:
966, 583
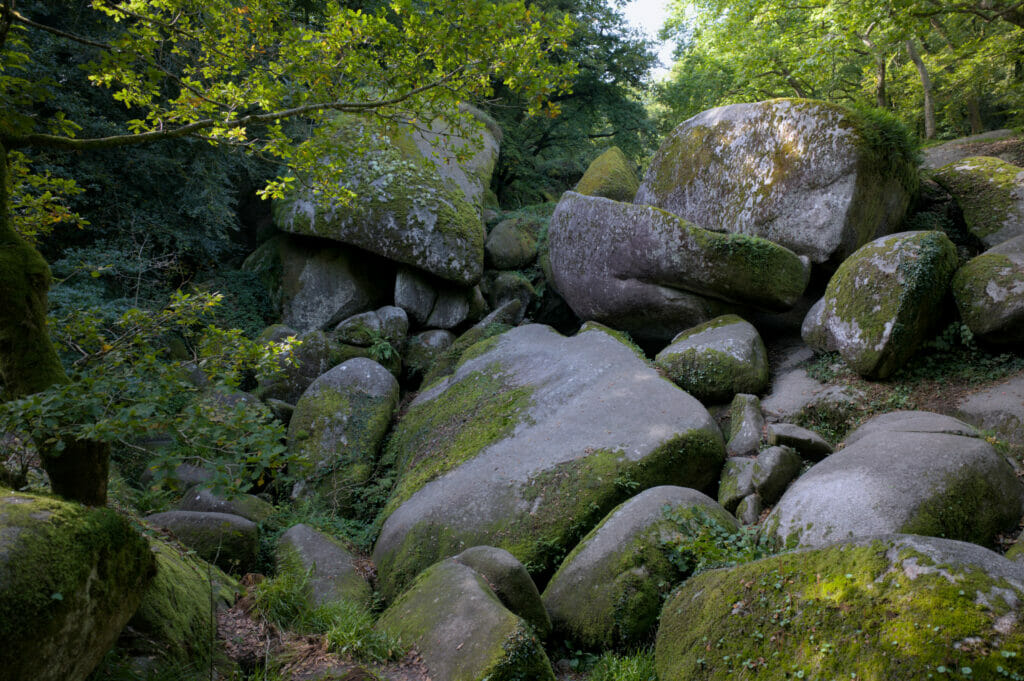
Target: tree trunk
926, 85
28, 360
974, 115
881, 99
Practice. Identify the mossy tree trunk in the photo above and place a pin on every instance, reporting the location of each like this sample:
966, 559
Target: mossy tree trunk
28, 360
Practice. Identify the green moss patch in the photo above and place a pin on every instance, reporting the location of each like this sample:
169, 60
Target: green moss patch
989, 191
843, 612
610, 175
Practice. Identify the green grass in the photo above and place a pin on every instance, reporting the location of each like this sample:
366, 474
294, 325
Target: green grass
636, 667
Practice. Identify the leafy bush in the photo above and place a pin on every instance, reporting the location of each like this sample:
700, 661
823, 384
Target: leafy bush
704, 543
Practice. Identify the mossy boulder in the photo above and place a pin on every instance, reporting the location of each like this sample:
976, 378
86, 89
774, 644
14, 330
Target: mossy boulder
316, 283
512, 244
176, 620
989, 292
990, 193
502, 287
330, 564
497, 322
716, 360
815, 177
934, 157
228, 541
609, 590
402, 209
737, 482
337, 429
908, 472
529, 443
462, 631
649, 272
901, 607
423, 349
610, 175
886, 299
300, 364
70, 579
511, 583
249, 506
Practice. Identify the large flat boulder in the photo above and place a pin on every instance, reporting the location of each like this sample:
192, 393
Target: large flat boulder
911, 472
70, 579
895, 607
884, 301
651, 273
530, 441
461, 629
400, 208
815, 177
609, 590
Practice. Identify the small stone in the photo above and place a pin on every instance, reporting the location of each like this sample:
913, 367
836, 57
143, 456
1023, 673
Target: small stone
774, 469
807, 443
746, 423
737, 482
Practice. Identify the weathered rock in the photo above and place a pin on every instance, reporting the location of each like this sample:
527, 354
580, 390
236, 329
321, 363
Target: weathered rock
737, 482
451, 307
329, 563
748, 511
337, 430
503, 287
403, 210
316, 283
512, 244
886, 298
804, 174
651, 273
70, 579
610, 175
897, 607
990, 193
999, 408
461, 629
228, 541
989, 292
358, 329
301, 365
176, 619
248, 506
424, 348
415, 294
497, 322
609, 590
716, 360
956, 150
394, 323
528, 444
807, 443
813, 330
774, 469
511, 583
746, 424
905, 473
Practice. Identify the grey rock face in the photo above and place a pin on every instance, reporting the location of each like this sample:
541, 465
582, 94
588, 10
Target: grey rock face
415, 294
774, 469
748, 512
999, 408
905, 476
610, 588
956, 150
330, 564
812, 187
989, 292
746, 423
338, 427
651, 273
228, 541
886, 298
423, 348
248, 506
807, 443
563, 418
510, 582
737, 482
451, 307
317, 283
394, 323
716, 360
461, 629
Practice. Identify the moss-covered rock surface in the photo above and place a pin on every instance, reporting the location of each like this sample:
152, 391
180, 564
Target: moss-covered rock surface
528, 444
990, 193
462, 631
610, 175
717, 359
886, 298
609, 590
70, 579
818, 178
898, 608
989, 292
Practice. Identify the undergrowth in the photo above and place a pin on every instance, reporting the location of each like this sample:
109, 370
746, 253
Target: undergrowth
704, 543
638, 666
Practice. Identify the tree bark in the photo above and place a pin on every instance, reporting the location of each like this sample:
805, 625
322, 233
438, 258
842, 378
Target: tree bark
926, 85
28, 360
974, 115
